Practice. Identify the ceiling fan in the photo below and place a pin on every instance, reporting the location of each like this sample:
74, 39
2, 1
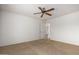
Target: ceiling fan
44, 11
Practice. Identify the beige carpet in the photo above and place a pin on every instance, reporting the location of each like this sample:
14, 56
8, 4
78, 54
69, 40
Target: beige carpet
40, 47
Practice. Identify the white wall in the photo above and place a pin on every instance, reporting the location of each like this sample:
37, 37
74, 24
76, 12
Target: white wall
65, 28
16, 28
43, 29
0, 26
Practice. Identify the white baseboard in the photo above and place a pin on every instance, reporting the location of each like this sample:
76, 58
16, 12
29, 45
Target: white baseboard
72, 43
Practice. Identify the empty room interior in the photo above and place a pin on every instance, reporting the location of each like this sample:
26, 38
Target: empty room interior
39, 29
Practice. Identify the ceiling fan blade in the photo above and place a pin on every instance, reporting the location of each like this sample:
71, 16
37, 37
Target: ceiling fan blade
48, 14
38, 13
40, 9
50, 9
44, 9
42, 15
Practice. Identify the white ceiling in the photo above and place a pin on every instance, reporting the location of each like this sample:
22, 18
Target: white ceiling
29, 9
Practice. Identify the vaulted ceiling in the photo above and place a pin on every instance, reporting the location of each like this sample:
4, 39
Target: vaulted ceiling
29, 9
